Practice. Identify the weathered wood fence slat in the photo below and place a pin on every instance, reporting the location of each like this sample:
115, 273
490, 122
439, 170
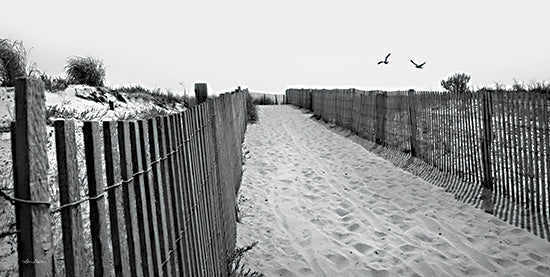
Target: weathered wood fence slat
161, 191
30, 169
492, 146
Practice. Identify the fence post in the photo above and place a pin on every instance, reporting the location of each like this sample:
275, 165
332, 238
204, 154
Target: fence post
69, 192
487, 183
201, 92
30, 171
380, 137
412, 116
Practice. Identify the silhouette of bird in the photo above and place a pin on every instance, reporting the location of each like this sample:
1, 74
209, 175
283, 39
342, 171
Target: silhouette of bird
419, 66
385, 61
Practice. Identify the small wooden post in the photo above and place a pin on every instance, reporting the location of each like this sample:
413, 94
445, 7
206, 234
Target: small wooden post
111, 105
69, 192
487, 193
30, 176
201, 92
412, 120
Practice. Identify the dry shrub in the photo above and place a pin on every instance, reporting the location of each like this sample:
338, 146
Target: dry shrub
13, 61
53, 84
85, 71
251, 110
236, 269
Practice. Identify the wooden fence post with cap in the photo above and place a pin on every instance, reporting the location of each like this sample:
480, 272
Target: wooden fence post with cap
201, 92
30, 171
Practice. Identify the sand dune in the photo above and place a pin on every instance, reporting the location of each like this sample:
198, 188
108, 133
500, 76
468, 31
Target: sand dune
321, 205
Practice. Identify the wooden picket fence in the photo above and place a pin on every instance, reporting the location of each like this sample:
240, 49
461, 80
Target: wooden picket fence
161, 191
497, 144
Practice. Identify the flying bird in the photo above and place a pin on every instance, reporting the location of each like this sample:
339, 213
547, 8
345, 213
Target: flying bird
385, 61
419, 66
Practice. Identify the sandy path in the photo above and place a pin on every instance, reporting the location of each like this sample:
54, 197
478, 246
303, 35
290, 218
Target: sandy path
320, 205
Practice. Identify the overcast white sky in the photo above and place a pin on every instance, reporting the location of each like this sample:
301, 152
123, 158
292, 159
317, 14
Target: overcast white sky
273, 45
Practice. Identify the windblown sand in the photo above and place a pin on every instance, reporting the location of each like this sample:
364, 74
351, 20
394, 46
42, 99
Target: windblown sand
319, 204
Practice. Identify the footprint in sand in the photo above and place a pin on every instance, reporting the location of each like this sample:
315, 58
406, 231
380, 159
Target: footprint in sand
305, 271
339, 260
380, 211
345, 204
305, 242
311, 197
320, 222
396, 218
284, 273
543, 269
408, 248
362, 248
318, 179
421, 236
528, 262
354, 184
535, 257
341, 212
347, 218
354, 227
505, 263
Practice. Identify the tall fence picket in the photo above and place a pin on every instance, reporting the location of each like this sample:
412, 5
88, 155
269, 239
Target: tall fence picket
121, 259
158, 187
172, 193
69, 192
30, 170
142, 212
98, 213
129, 200
148, 193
